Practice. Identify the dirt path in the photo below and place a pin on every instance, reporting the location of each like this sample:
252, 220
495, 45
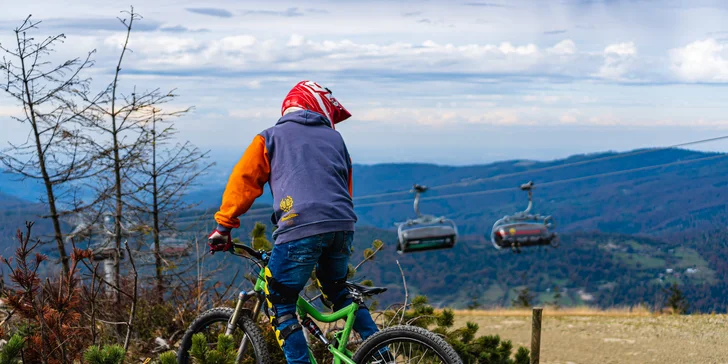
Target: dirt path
615, 339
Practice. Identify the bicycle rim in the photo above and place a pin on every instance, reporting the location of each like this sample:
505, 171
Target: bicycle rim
404, 350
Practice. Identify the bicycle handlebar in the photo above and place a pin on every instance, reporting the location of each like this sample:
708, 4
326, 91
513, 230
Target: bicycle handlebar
257, 254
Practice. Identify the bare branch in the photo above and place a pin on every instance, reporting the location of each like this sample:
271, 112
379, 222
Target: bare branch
132, 313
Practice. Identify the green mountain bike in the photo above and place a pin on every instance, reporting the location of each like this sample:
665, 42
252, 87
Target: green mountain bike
407, 344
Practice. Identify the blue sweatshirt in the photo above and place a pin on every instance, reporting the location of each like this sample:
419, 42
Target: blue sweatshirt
308, 167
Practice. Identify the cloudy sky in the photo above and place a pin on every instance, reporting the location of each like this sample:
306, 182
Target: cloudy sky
451, 82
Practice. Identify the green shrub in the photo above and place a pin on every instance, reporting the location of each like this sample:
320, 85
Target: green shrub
169, 357
10, 352
109, 354
224, 353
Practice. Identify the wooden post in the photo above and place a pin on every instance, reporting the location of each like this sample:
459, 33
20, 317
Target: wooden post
536, 335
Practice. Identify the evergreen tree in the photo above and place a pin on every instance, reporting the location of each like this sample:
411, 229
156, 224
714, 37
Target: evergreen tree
676, 299
524, 298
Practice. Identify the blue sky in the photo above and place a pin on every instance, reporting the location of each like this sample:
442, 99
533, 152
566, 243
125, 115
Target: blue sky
456, 82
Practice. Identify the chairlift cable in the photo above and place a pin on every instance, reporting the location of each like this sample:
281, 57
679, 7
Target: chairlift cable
609, 174
521, 230
543, 169
552, 183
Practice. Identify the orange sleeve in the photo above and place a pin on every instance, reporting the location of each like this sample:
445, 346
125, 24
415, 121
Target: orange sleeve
245, 183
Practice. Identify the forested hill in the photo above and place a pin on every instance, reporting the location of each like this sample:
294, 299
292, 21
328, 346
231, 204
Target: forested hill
597, 269
680, 197
622, 232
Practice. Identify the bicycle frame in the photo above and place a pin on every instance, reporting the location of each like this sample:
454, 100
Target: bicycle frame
304, 309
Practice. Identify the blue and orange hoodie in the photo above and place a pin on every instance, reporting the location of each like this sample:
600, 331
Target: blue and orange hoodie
309, 170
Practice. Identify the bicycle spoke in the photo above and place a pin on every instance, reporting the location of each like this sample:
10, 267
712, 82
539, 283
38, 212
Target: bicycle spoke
404, 351
423, 356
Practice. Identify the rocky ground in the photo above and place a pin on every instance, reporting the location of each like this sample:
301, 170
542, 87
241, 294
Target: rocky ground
618, 338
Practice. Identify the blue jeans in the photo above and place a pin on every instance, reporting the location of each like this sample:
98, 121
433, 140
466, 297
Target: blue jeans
291, 265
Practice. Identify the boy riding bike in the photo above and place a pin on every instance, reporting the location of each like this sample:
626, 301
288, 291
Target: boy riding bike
306, 163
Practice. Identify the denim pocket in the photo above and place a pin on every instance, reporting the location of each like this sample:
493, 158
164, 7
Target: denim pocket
306, 250
348, 246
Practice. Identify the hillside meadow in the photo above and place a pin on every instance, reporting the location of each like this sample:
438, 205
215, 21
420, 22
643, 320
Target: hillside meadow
585, 335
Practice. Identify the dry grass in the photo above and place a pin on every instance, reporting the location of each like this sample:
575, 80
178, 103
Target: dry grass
624, 335
639, 311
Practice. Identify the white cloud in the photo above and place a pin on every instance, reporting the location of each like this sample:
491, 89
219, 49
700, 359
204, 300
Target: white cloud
241, 52
565, 47
701, 61
619, 59
296, 40
545, 99
570, 117
445, 116
508, 48
501, 117
255, 84
621, 49
148, 45
398, 71
609, 119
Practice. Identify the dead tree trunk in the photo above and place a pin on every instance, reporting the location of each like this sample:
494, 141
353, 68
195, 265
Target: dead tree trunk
47, 93
44, 172
119, 208
155, 212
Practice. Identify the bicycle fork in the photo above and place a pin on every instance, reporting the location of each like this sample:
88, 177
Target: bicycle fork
242, 298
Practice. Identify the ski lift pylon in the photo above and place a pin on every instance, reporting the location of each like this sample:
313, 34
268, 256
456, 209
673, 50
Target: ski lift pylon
426, 232
524, 229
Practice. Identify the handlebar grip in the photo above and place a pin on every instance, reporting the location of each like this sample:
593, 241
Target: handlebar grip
252, 252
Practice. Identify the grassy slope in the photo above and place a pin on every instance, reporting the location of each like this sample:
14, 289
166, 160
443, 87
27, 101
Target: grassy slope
586, 335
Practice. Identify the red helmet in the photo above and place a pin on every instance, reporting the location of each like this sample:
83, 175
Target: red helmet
309, 95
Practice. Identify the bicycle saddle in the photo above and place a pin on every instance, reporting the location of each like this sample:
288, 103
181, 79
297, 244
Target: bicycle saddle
364, 290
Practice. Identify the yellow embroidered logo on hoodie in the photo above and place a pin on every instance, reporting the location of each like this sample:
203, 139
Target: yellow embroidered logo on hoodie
286, 206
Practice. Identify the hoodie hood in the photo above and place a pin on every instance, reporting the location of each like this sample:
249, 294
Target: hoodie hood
304, 117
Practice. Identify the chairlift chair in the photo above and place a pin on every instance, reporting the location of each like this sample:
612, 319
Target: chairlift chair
524, 229
426, 232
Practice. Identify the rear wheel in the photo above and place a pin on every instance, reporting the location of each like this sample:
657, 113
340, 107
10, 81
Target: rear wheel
406, 344
214, 322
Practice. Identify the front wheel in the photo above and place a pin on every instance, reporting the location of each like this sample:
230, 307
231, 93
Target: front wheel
214, 322
405, 344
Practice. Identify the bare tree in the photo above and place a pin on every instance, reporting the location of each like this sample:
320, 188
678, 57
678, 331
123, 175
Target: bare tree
119, 120
48, 92
167, 172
